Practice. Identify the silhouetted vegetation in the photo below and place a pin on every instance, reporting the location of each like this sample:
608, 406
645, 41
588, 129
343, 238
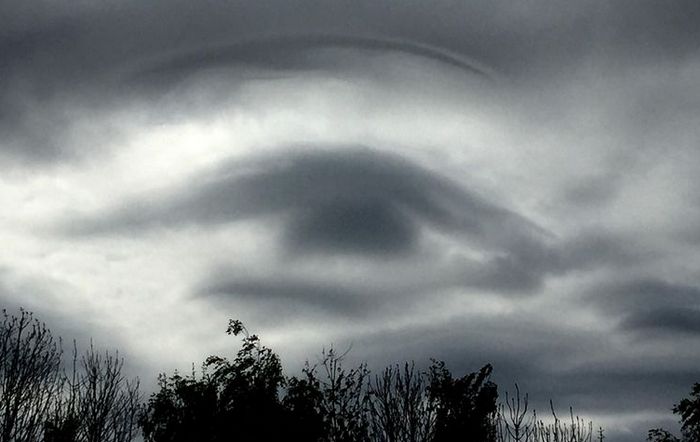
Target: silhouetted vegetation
241, 394
332, 403
96, 402
41, 401
689, 411
516, 423
30, 377
248, 398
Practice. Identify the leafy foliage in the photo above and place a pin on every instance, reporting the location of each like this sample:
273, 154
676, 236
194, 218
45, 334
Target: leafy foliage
248, 398
464, 406
661, 435
238, 397
689, 411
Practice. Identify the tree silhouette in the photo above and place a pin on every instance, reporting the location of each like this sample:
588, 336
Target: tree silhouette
232, 400
108, 404
248, 398
464, 406
661, 435
401, 408
344, 397
689, 411
97, 403
239, 400
185, 408
40, 401
30, 376
304, 401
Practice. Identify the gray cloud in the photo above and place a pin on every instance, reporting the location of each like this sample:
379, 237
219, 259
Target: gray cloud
294, 52
582, 76
363, 203
542, 364
311, 296
68, 322
649, 310
674, 320
57, 53
364, 226
643, 294
352, 199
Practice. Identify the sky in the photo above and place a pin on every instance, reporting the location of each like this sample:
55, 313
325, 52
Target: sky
474, 181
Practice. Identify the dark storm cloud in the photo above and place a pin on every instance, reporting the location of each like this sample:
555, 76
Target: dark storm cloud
643, 294
84, 57
59, 55
344, 199
653, 27
326, 297
649, 308
123, 33
53, 54
665, 319
362, 226
361, 202
529, 263
538, 356
295, 52
26, 61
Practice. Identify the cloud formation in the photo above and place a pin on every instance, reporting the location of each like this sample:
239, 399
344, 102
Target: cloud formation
476, 181
339, 198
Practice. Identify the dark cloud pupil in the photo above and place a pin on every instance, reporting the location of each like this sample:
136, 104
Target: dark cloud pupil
353, 226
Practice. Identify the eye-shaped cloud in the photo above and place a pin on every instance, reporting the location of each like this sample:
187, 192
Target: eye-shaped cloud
353, 200
367, 205
593, 130
354, 205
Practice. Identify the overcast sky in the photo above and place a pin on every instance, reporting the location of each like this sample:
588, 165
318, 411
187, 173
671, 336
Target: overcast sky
512, 182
